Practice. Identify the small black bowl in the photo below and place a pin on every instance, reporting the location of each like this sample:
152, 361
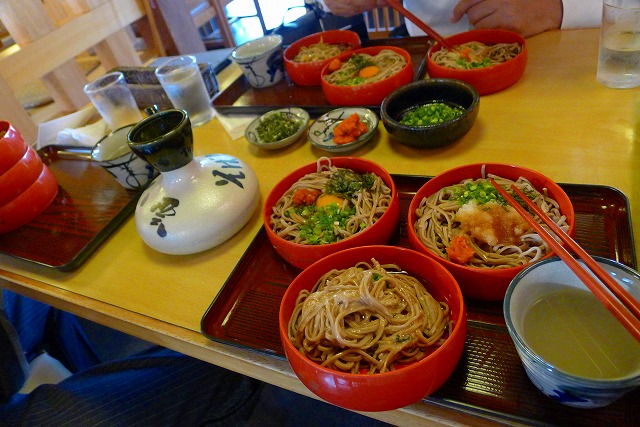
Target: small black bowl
415, 94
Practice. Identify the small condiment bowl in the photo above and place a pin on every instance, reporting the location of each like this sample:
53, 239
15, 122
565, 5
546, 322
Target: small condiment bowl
296, 115
321, 132
561, 376
416, 94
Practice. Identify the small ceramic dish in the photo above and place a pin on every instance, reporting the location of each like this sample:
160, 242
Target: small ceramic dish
297, 114
321, 131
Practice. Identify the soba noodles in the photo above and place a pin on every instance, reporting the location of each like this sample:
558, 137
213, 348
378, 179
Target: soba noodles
476, 55
320, 51
329, 205
471, 224
367, 318
381, 66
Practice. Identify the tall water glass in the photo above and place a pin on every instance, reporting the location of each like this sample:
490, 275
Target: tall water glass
182, 81
113, 100
619, 55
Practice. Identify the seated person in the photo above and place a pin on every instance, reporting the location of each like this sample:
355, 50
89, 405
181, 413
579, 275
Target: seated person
156, 386
525, 17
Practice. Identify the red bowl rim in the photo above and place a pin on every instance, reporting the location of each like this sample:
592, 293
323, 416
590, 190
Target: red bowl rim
451, 265
12, 146
292, 50
460, 315
483, 34
309, 168
20, 176
47, 184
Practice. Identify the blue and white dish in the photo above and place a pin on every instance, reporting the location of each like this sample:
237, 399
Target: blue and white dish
528, 288
321, 131
300, 115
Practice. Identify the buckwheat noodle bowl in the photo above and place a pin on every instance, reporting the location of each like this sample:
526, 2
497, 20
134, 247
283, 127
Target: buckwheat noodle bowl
460, 219
365, 76
490, 60
389, 62
320, 51
411, 357
305, 57
476, 55
352, 211
330, 205
446, 214
369, 318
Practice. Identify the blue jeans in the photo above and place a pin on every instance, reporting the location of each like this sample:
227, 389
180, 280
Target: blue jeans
155, 387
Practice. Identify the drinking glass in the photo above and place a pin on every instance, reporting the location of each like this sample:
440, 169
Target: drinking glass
619, 55
113, 100
181, 79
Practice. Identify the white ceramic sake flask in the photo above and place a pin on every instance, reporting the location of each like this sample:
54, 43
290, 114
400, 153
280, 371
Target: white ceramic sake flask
195, 203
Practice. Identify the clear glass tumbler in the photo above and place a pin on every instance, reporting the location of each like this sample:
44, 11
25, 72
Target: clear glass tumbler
113, 100
619, 55
181, 79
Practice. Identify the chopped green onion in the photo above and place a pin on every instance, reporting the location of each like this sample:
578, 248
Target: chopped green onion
431, 114
277, 126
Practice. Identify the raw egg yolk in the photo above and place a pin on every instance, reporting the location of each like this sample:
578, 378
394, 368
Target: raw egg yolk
369, 71
327, 199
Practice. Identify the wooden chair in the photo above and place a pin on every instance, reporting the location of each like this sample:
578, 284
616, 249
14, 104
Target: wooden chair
47, 47
381, 21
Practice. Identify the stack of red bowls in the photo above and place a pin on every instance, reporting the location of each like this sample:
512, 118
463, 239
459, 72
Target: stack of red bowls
27, 186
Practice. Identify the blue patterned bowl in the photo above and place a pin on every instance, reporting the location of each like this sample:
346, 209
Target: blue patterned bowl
543, 280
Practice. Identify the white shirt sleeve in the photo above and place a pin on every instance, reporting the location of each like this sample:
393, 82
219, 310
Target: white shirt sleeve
581, 14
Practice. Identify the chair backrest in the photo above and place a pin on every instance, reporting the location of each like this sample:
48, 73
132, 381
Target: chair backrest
381, 21
49, 45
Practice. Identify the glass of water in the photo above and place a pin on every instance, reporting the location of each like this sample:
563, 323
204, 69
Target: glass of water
181, 79
112, 98
619, 55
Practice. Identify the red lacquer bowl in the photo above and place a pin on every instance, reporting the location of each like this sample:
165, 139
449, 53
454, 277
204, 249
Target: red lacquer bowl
388, 390
20, 177
484, 283
30, 203
308, 73
12, 146
379, 233
485, 80
370, 93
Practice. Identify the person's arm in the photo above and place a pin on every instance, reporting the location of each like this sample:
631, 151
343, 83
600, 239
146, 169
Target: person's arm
581, 14
352, 7
525, 17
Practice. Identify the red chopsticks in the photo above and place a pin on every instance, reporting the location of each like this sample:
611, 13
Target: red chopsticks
420, 24
625, 308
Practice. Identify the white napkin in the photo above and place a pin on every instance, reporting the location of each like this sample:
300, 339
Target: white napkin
235, 124
83, 129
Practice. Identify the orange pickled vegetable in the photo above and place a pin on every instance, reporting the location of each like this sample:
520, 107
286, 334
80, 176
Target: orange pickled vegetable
305, 196
334, 65
460, 252
368, 72
349, 129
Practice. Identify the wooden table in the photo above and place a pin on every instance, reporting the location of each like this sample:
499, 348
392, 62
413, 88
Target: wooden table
557, 119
